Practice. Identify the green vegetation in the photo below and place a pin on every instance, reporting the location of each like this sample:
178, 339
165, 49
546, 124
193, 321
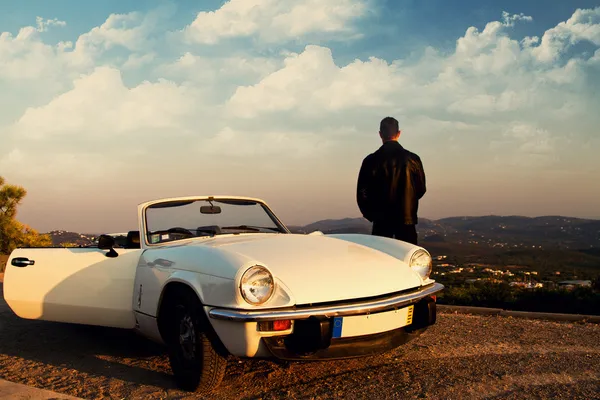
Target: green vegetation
13, 233
69, 244
493, 278
580, 300
584, 263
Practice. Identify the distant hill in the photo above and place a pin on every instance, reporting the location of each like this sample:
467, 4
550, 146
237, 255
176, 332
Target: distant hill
550, 243
492, 231
354, 225
507, 232
65, 237
564, 232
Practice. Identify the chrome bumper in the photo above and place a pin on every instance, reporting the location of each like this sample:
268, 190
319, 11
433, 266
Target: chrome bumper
363, 307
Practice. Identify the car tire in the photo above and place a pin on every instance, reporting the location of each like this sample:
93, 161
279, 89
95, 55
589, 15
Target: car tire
196, 361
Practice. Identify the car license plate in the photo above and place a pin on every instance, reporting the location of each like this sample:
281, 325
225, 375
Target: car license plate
359, 325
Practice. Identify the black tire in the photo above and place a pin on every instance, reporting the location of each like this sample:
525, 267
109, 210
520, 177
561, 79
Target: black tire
197, 362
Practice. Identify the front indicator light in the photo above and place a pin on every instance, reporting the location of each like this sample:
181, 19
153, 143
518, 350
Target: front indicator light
282, 325
275, 326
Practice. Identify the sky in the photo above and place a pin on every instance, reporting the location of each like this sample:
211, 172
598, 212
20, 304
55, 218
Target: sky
104, 105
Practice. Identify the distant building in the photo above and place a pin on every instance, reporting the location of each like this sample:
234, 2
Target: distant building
520, 284
527, 285
574, 284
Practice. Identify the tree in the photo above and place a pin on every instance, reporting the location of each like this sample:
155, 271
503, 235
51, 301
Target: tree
13, 233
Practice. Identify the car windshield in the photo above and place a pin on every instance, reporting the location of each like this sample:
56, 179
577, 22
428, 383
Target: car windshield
183, 219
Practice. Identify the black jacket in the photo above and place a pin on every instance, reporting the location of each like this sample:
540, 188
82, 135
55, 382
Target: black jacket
390, 183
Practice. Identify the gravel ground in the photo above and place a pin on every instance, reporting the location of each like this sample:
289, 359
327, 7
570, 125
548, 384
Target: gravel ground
462, 356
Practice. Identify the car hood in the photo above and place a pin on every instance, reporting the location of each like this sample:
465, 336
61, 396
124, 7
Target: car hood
319, 268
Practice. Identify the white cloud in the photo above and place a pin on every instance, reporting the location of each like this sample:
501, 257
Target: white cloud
584, 25
219, 70
32, 72
532, 140
274, 20
290, 144
311, 82
134, 31
135, 61
60, 169
509, 20
120, 103
44, 24
101, 105
124, 30
26, 57
489, 73
130, 31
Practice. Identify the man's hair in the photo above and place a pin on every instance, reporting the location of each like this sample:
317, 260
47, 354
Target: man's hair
388, 127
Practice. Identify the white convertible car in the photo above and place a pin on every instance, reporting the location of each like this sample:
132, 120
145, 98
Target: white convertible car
213, 277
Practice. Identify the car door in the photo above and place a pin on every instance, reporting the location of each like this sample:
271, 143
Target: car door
73, 285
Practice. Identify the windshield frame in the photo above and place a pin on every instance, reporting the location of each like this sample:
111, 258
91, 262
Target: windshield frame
144, 223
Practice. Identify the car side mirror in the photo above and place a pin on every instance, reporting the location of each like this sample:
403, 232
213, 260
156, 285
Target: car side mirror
106, 242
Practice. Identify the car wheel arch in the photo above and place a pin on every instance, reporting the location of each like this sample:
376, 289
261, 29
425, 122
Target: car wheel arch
213, 354
170, 292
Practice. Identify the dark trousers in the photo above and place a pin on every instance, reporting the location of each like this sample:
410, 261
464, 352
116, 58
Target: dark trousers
406, 233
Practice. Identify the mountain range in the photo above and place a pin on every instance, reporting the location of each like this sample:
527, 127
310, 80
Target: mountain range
493, 231
548, 244
549, 232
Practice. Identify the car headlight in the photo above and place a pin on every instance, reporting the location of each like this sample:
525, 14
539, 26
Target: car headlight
421, 263
257, 285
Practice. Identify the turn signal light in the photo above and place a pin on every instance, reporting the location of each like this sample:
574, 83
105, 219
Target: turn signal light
283, 325
275, 326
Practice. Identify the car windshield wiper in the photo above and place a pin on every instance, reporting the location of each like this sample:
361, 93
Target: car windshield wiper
250, 228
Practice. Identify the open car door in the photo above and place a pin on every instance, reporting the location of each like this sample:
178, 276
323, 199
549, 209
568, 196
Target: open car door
73, 285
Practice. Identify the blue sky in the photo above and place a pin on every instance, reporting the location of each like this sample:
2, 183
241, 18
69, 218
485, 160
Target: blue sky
407, 24
107, 104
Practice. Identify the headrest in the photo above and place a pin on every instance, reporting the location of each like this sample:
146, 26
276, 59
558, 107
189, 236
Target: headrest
133, 238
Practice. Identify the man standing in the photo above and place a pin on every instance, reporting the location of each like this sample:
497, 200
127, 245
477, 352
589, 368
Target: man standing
391, 182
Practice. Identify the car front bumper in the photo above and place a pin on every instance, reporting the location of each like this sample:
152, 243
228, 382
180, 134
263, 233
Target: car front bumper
311, 336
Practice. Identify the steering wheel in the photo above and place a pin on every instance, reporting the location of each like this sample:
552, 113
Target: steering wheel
178, 229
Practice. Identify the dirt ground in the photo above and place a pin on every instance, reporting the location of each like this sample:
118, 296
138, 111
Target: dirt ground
460, 357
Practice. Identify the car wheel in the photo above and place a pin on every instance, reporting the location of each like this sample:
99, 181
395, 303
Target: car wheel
197, 364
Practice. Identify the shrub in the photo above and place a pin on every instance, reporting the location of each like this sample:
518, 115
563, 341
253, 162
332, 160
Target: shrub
14, 234
582, 300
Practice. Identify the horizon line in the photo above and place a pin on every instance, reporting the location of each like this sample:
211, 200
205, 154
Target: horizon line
420, 218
